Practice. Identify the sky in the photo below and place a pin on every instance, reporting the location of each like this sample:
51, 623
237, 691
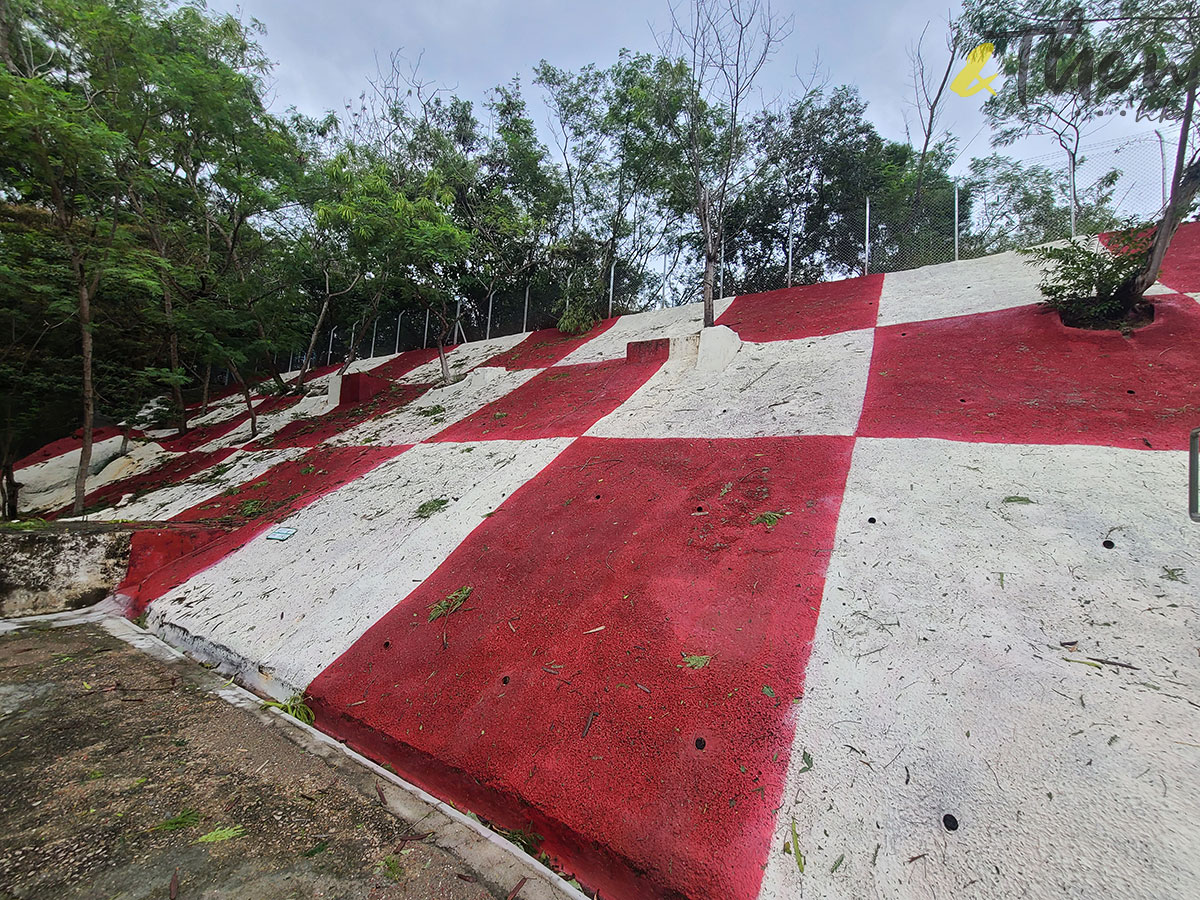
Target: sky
324, 51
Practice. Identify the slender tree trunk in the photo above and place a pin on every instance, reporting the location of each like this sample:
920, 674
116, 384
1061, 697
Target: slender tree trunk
710, 256
368, 320
205, 389
173, 355
8, 491
1184, 185
312, 343
275, 376
245, 396
89, 394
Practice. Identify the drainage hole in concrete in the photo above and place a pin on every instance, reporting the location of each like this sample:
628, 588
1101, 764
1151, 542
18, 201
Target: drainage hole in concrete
961, 400
699, 509
699, 743
504, 680
871, 519
386, 644
950, 822
597, 496
1131, 392
1108, 545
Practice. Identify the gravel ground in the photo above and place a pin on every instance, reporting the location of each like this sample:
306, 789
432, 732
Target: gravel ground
117, 771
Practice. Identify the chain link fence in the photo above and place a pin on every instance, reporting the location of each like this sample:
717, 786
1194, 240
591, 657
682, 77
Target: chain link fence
999, 206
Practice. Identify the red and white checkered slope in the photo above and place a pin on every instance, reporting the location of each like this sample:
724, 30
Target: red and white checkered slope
869, 574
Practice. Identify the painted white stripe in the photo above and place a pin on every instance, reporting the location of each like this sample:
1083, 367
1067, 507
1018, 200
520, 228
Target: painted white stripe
808, 386
935, 687
357, 552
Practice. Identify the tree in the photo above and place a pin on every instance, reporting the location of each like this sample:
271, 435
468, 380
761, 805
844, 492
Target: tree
66, 72
722, 45
1097, 72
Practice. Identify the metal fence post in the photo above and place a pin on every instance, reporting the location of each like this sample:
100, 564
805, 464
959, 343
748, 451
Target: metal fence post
329, 355
956, 221
425, 341
612, 273
867, 241
525, 321
398, 318
374, 332
721, 271
791, 219
487, 336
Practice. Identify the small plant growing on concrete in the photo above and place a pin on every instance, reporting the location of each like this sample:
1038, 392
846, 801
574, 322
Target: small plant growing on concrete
293, 706
429, 507
1083, 280
449, 604
770, 519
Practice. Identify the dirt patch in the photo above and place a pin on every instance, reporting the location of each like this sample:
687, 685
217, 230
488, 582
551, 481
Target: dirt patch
113, 767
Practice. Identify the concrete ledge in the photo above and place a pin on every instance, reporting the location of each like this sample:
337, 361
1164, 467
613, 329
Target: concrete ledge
54, 569
718, 346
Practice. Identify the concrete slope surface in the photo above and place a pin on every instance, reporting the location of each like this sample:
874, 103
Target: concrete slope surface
885, 588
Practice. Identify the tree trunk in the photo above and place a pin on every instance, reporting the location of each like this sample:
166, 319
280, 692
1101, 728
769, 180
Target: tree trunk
8, 491
245, 396
312, 343
1184, 186
89, 394
173, 355
205, 389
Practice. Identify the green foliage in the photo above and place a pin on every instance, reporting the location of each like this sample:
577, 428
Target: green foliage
185, 819
449, 603
224, 833
1081, 279
770, 519
578, 318
429, 507
293, 706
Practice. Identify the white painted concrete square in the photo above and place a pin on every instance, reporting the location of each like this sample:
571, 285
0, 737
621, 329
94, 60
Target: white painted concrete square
938, 684
654, 324
809, 386
357, 552
959, 288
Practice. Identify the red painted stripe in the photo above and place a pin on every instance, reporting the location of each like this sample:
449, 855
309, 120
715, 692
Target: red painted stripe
1181, 268
654, 541
164, 559
546, 347
309, 432
806, 311
1020, 376
406, 362
66, 445
563, 401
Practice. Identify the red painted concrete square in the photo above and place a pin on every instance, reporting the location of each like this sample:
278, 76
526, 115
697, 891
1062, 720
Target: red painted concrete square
207, 532
546, 347
558, 698
401, 365
807, 310
564, 401
310, 432
1181, 268
1019, 376
66, 445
